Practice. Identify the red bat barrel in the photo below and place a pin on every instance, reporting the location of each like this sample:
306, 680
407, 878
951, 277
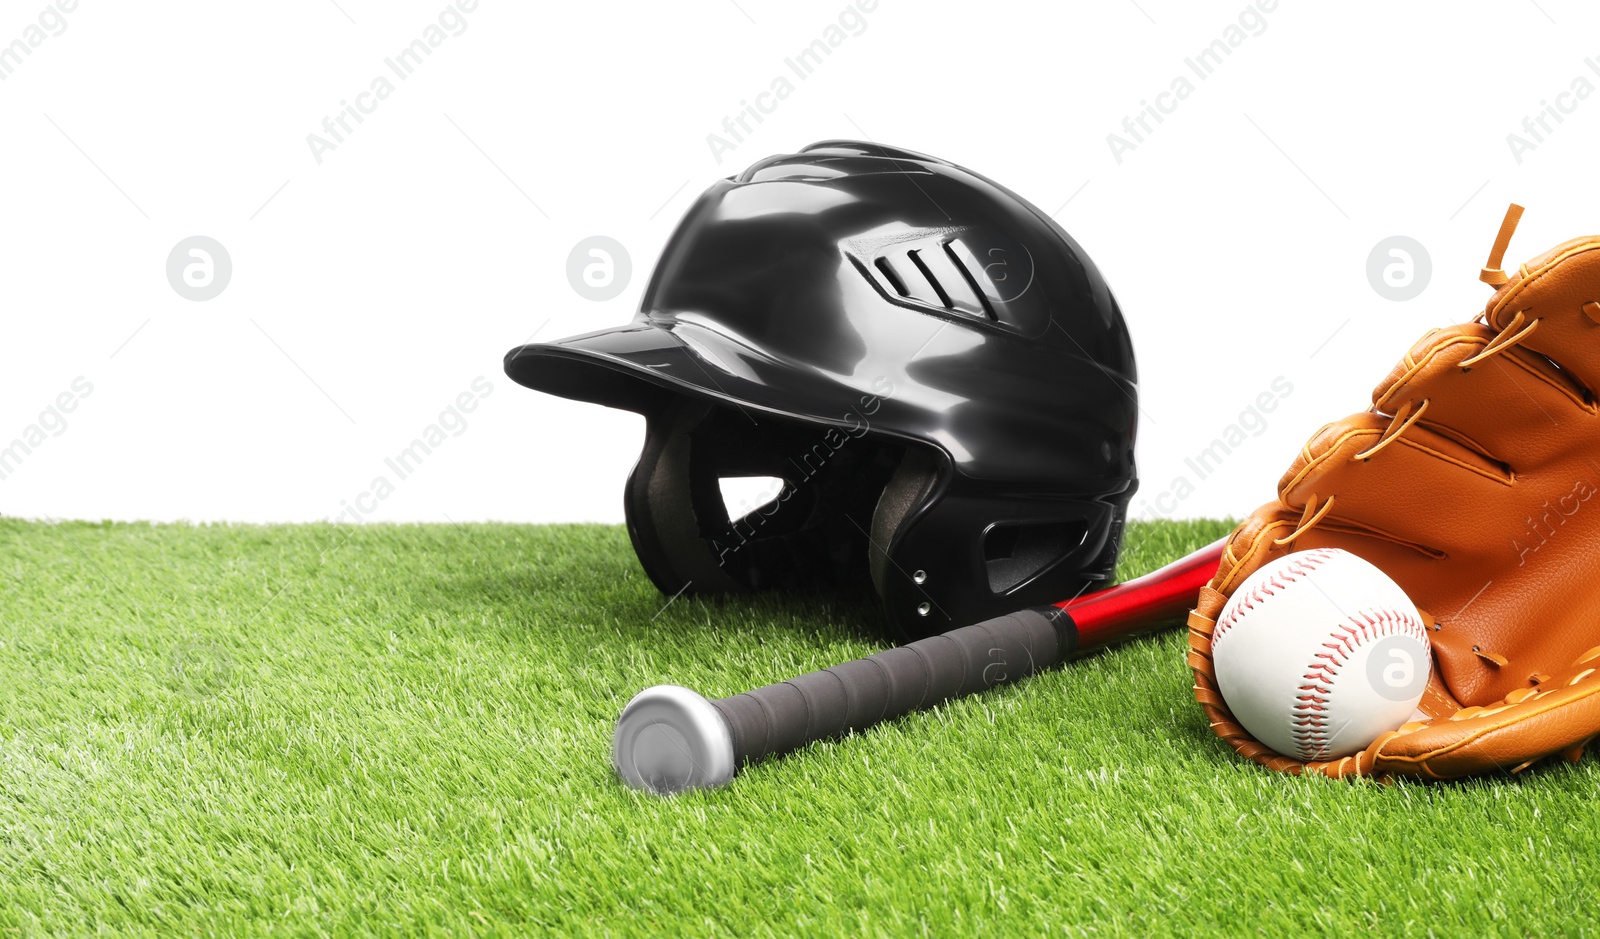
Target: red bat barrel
1144, 603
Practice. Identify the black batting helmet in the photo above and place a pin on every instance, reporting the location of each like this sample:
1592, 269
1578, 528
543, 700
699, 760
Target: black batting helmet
931, 365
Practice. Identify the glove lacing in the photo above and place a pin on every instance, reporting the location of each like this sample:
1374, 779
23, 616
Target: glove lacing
1520, 327
1491, 273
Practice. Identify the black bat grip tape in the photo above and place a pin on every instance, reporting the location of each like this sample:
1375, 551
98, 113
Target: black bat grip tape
850, 697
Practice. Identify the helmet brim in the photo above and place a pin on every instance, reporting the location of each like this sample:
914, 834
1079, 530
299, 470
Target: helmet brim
629, 366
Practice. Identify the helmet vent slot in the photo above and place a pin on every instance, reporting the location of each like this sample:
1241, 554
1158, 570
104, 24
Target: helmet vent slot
916, 258
889, 275
972, 283
935, 273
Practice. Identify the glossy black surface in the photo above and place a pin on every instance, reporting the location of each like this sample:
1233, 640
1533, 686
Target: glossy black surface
795, 282
899, 300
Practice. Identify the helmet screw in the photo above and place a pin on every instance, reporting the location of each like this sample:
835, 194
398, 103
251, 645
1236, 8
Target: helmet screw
923, 608
919, 577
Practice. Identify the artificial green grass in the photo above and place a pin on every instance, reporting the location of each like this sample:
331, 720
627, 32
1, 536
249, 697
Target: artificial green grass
386, 730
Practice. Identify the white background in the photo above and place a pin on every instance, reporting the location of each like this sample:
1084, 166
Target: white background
370, 290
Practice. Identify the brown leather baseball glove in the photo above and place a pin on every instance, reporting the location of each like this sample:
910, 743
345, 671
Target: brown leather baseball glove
1471, 481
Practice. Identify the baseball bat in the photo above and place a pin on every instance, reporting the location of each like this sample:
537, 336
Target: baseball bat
669, 738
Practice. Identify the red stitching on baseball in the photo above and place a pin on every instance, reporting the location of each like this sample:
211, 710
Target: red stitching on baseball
1311, 736
1304, 562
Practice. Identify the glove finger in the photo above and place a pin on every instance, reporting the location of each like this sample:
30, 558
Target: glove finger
1561, 290
1241, 556
1515, 406
1397, 492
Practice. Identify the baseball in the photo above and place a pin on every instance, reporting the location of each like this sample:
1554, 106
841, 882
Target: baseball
1318, 653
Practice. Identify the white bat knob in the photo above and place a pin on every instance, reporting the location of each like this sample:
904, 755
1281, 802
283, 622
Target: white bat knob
670, 739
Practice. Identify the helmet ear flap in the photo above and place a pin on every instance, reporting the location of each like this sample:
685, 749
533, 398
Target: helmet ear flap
943, 555
907, 490
664, 508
